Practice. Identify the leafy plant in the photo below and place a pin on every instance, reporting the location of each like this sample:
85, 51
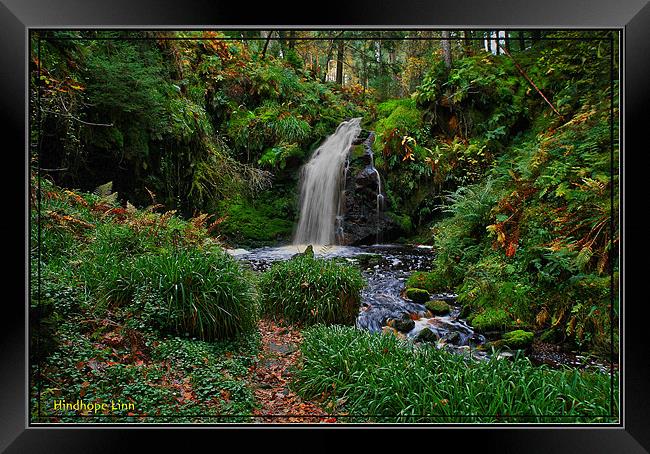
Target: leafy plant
309, 290
360, 373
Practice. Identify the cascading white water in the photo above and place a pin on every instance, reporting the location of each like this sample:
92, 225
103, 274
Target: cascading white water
320, 190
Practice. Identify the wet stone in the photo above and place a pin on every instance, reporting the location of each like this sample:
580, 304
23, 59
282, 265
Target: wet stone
426, 335
404, 324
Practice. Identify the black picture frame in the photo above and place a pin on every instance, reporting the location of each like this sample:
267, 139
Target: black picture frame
632, 17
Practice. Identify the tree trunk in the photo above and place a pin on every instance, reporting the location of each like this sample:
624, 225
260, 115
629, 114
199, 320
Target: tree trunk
496, 38
446, 48
292, 39
266, 43
339, 62
330, 51
468, 42
536, 36
522, 41
507, 40
488, 40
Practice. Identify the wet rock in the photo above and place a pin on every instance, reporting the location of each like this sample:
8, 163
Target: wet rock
426, 335
362, 222
417, 295
492, 335
438, 307
309, 252
453, 337
465, 311
368, 260
403, 324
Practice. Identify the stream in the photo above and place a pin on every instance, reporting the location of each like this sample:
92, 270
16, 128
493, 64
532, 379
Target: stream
386, 268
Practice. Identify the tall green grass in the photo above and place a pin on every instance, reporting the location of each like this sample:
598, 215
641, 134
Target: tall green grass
380, 378
201, 293
309, 290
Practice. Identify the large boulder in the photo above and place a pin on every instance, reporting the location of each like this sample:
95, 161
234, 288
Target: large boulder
426, 335
363, 223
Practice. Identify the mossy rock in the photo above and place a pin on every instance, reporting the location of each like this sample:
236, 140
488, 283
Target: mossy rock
438, 307
491, 319
417, 295
403, 324
427, 280
518, 339
426, 335
357, 151
465, 311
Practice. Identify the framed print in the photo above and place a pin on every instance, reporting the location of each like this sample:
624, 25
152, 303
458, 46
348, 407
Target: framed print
398, 218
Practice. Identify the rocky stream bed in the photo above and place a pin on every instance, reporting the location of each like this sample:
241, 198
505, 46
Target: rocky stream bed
384, 307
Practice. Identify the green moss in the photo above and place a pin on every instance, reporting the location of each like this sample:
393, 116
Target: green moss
518, 338
266, 220
438, 307
398, 113
430, 281
491, 319
417, 294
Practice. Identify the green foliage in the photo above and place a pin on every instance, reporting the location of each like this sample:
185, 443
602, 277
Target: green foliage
104, 298
309, 290
361, 373
169, 380
278, 156
397, 114
202, 293
265, 220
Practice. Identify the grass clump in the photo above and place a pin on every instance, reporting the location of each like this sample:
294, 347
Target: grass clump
309, 290
361, 373
203, 294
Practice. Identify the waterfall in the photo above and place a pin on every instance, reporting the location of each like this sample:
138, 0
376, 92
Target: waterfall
321, 187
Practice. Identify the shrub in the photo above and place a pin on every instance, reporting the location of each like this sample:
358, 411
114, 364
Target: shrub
310, 290
203, 293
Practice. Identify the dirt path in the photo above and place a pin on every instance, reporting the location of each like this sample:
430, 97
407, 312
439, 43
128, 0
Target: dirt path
280, 351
